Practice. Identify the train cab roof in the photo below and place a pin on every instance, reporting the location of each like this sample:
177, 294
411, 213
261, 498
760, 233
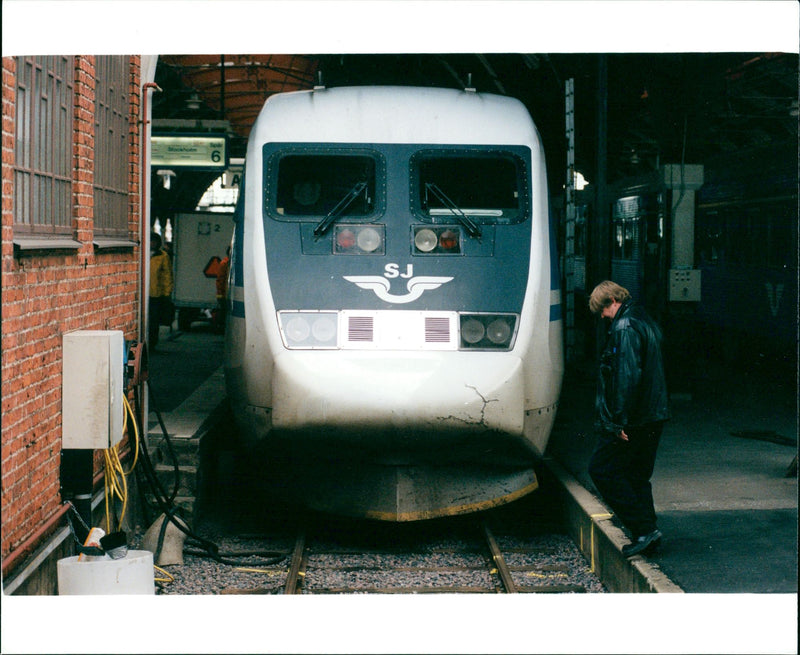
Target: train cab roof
395, 114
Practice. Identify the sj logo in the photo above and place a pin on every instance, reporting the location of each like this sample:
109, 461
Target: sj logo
380, 284
393, 270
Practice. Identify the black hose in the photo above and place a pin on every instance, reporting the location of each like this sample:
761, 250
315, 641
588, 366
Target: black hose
168, 441
210, 549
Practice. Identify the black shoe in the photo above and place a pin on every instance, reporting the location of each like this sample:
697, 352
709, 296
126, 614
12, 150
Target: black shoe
643, 543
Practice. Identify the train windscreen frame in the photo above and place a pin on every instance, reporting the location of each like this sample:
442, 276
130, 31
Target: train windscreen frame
309, 184
489, 186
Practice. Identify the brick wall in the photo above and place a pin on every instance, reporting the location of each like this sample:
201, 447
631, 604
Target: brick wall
47, 293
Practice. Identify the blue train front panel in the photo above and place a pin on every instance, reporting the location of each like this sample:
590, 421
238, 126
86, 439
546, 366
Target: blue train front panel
442, 229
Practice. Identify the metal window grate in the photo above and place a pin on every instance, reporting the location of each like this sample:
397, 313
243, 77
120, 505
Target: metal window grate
111, 145
360, 328
437, 329
43, 144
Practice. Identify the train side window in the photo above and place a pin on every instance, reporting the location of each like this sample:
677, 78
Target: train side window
626, 217
581, 220
487, 186
309, 185
710, 230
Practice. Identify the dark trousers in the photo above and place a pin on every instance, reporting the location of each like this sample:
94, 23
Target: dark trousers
159, 313
621, 471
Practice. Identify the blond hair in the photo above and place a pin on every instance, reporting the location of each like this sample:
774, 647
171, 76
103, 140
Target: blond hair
605, 294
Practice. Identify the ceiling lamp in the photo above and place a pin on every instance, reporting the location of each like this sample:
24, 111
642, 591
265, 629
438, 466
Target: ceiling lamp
193, 103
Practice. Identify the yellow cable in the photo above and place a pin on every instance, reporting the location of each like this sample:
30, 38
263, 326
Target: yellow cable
247, 569
116, 483
168, 578
135, 434
106, 491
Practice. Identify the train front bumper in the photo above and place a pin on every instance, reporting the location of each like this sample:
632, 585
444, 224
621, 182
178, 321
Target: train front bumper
441, 392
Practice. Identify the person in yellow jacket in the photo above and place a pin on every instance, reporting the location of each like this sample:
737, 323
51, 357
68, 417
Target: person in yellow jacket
161, 308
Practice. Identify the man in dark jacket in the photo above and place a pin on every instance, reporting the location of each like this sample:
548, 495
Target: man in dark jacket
631, 405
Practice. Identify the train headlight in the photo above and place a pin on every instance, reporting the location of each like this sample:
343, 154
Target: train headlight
368, 239
425, 240
498, 331
323, 328
472, 330
297, 329
437, 240
309, 329
488, 331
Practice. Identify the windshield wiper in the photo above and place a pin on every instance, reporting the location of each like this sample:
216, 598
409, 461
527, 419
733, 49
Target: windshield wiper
337, 211
466, 221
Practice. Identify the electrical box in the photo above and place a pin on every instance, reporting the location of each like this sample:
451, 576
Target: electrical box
684, 285
689, 177
92, 388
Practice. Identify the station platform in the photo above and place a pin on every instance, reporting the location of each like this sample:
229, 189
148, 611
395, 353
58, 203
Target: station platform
726, 506
724, 495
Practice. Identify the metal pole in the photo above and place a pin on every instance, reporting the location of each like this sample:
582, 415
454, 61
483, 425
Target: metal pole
600, 233
601, 242
222, 87
569, 220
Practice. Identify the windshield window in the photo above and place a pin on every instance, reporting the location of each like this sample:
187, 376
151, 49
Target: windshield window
314, 185
487, 187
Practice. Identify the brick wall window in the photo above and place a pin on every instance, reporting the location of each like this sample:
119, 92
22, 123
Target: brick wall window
43, 153
111, 146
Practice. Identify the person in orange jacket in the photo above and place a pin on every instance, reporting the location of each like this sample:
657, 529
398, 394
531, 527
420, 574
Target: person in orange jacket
222, 292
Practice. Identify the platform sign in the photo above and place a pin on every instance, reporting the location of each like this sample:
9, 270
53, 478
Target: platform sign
231, 179
190, 151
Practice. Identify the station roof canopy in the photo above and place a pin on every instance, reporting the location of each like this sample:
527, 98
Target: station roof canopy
661, 107
228, 87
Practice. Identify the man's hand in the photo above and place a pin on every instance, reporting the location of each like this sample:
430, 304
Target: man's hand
622, 435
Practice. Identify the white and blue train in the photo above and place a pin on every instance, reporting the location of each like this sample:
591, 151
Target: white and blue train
394, 326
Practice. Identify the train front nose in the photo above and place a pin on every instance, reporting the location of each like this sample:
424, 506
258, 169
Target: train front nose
446, 392
402, 436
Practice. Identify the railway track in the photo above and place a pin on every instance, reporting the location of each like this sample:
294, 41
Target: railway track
459, 556
516, 548
468, 565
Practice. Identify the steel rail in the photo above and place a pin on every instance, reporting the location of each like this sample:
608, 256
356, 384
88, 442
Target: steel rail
499, 561
297, 565
302, 572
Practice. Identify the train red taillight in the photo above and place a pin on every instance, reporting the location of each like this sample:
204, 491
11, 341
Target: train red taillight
359, 240
449, 240
345, 239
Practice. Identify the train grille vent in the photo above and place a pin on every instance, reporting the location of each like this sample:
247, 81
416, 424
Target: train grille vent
360, 328
437, 329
